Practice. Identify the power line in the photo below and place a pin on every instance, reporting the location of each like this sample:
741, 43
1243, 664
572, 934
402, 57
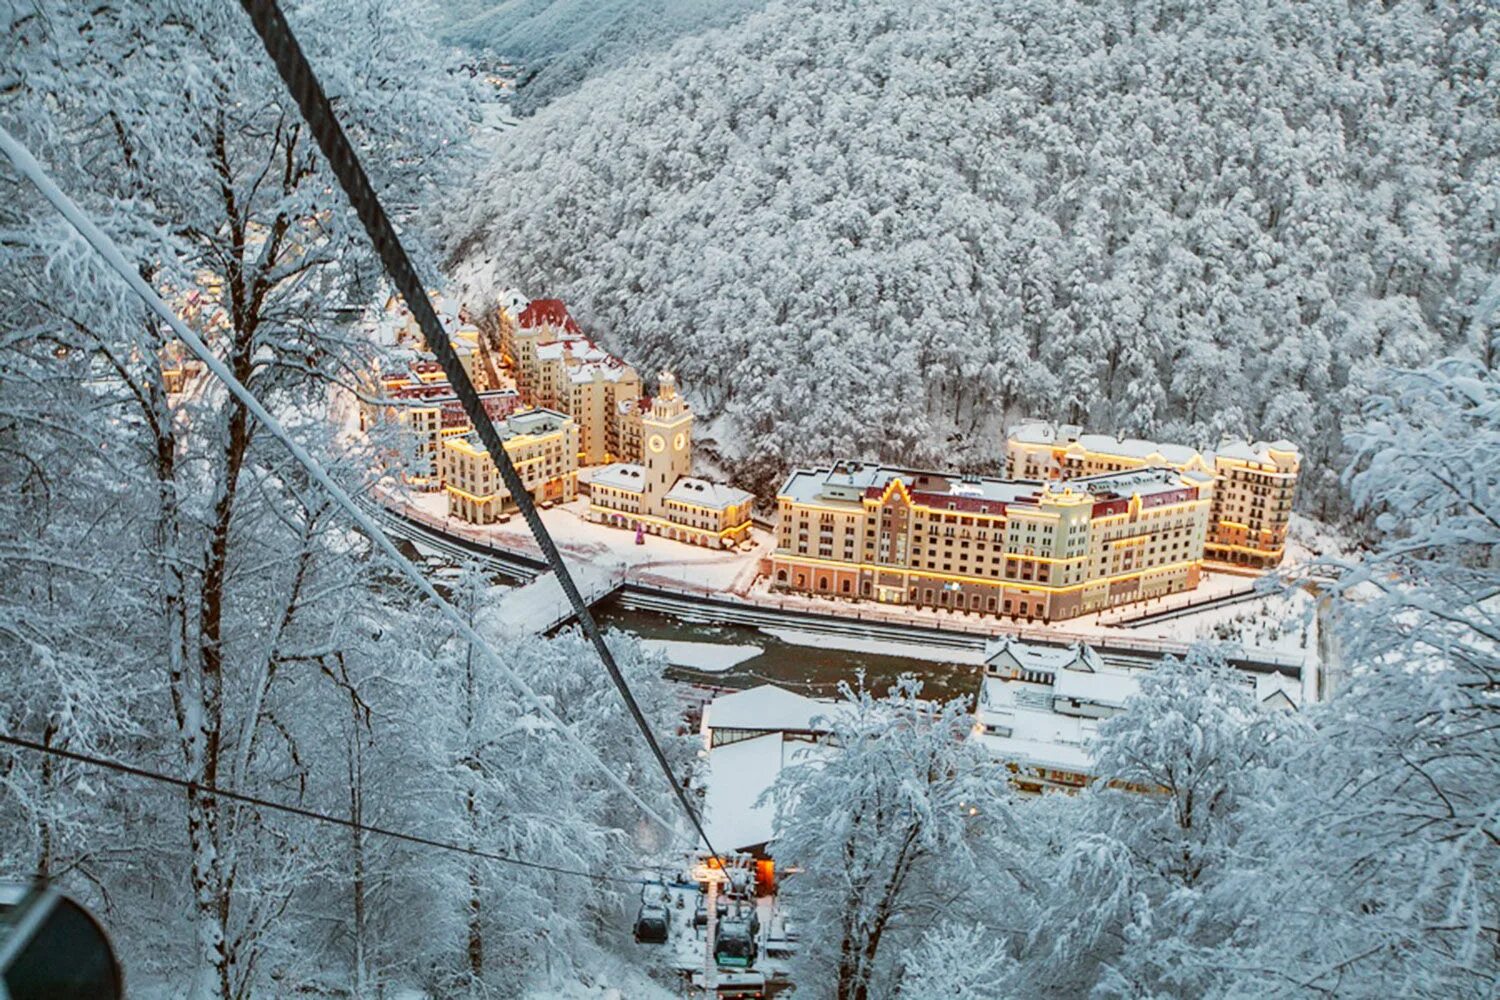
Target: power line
228, 793
26, 164
304, 87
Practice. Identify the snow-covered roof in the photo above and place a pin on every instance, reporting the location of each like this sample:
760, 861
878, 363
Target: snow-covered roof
538, 421
1259, 452
1146, 482
611, 370
736, 776
847, 482
764, 707
621, 476
1035, 431
1005, 653
707, 494
1107, 687
1030, 731
1277, 690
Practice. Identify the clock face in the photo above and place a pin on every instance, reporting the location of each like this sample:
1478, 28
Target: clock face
656, 442
680, 441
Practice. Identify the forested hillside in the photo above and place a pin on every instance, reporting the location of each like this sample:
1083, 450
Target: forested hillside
880, 228
561, 43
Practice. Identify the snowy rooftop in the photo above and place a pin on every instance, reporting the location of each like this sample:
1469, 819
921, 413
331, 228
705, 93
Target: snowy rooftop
848, 482
1005, 652
1107, 687
621, 476
1145, 482
1029, 731
707, 494
538, 421
1047, 433
764, 707
1175, 454
736, 776
610, 371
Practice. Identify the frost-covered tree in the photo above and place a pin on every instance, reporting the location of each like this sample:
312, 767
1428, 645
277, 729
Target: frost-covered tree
893, 833
1133, 904
206, 553
1377, 867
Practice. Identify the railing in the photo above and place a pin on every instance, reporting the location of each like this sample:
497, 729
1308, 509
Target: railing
981, 629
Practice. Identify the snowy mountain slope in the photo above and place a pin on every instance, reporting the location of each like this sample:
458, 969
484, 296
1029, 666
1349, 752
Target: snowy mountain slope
880, 228
561, 43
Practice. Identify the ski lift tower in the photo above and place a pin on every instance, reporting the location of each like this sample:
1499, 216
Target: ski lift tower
710, 872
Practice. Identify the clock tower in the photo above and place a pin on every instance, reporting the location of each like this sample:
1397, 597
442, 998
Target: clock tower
666, 442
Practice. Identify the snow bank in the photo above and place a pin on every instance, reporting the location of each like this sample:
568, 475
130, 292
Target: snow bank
886, 647
710, 657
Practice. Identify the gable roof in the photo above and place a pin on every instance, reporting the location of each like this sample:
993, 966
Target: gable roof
765, 707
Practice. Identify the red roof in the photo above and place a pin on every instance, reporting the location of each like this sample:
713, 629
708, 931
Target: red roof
547, 312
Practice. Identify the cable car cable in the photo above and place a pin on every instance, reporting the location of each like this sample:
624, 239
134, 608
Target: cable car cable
222, 792
21, 158
281, 45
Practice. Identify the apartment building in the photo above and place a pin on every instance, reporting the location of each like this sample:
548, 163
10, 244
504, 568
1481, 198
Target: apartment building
658, 495
991, 546
542, 445
418, 399
1039, 708
557, 368
1253, 491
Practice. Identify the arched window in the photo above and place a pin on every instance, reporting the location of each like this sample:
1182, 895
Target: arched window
781, 576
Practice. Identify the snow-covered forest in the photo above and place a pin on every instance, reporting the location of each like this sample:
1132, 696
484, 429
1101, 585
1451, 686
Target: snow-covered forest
879, 228
871, 228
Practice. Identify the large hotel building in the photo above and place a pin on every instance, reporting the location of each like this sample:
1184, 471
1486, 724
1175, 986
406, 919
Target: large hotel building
992, 546
1253, 483
542, 445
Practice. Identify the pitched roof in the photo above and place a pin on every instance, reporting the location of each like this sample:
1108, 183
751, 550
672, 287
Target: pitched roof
764, 707
706, 494
547, 312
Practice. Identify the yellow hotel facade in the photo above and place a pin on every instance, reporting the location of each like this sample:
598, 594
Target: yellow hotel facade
991, 546
658, 495
543, 446
1254, 484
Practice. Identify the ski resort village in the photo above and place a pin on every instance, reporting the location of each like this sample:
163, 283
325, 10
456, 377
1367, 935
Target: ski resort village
1044, 593
744, 499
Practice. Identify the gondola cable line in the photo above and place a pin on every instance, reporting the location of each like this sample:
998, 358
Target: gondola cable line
302, 83
220, 791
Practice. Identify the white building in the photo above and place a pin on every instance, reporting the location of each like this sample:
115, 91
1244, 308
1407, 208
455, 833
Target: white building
1039, 708
748, 737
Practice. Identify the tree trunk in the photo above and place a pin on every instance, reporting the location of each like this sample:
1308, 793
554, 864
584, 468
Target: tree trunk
357, 816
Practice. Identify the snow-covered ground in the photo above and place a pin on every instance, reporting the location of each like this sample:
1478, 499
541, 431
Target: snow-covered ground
583, 542
856, 644
709, 657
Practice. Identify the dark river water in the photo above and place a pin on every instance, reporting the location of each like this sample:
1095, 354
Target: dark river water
811, 670
814, 670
